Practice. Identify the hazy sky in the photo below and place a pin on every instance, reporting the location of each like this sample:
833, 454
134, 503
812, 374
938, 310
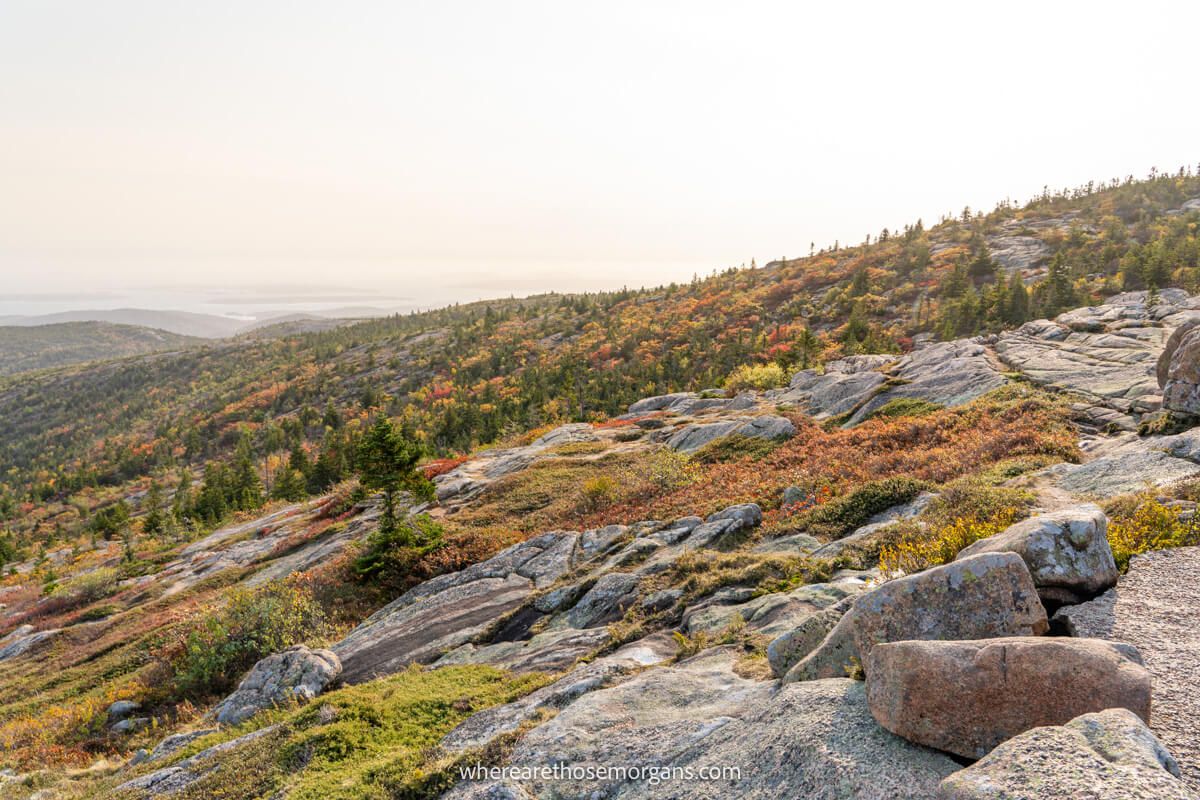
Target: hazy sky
462, 149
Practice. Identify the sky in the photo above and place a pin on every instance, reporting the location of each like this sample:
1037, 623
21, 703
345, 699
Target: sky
421, 153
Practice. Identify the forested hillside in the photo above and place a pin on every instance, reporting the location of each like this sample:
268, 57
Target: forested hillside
27, 348
289, 409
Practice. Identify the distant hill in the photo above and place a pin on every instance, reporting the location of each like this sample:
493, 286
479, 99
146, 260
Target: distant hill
190, 323
292, 325
25, 348
184, 323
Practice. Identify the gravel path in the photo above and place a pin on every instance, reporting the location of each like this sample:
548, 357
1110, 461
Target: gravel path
1156, 607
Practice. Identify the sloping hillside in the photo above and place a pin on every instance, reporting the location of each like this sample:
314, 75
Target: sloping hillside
666, 587
472, 375
667, 528
23, 349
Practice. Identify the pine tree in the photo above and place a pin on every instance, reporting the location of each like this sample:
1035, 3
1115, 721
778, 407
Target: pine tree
289, 485
246, 491
1061, 288
809, 346
387, 460
181, 505
211, 503
1017, 312
154, 520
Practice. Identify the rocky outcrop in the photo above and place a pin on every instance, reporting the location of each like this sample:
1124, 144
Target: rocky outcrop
945, 373
771, 614
839, 389
22, 640
979, 597
549, 651
815, 740
1067, 552
1122, 464
1154, 607
606, 601
122, 709
481, 729
876, 525
297, 674
452, 610
766, 426
179, 776
466, 481
177, 742
1107, 352
1109, 755
1015, 253
835, 657
966, 697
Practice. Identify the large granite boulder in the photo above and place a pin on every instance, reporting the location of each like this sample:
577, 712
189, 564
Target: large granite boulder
966, 697
1067, 552
980, 597
297, 674
1109, 755
1181, 387
1162, 368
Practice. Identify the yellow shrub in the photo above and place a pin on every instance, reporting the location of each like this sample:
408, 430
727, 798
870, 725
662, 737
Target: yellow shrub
756, 376
1152, 526
915, 553
597, 493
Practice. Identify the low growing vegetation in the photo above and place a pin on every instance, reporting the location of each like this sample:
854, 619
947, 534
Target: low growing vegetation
1142, 523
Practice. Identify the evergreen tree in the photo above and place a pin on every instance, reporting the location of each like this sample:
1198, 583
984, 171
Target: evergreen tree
1060, 288
329, 467
247, 489
1017, 312
298, 461
181, 505
859, 284
809, 346
289, 485
154, 520
211, 504
387, 460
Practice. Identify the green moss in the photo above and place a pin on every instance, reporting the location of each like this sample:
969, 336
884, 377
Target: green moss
842, 515
734, 448
373, 741
1165, 423
905, 407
